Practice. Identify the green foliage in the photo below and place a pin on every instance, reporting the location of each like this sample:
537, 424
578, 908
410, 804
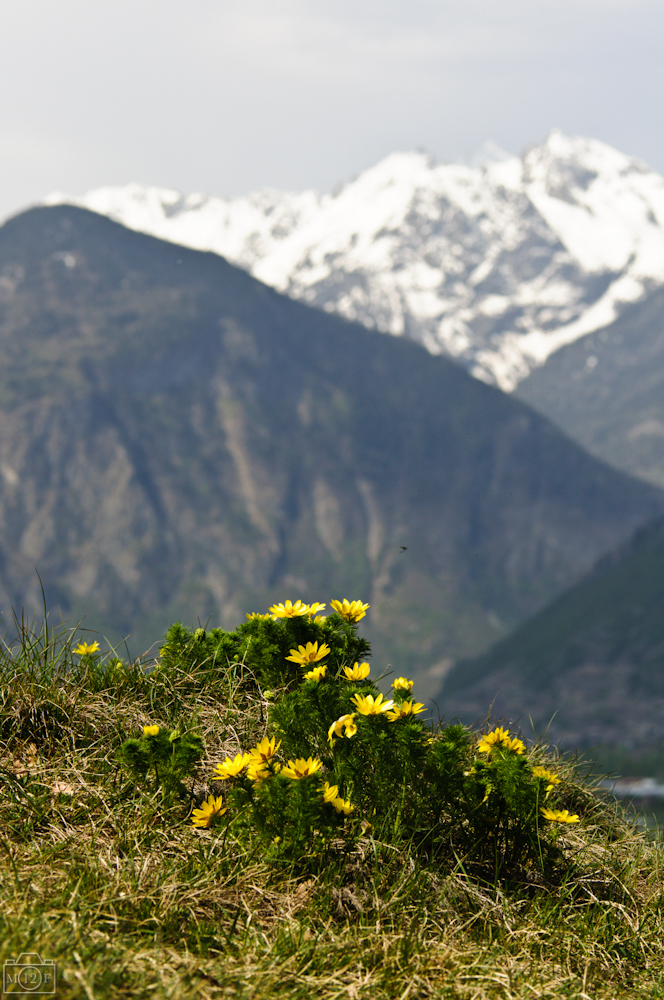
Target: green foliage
257, 650
441, 791
167, 755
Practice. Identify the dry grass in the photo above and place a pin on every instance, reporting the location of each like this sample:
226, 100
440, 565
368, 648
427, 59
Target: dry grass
131, 901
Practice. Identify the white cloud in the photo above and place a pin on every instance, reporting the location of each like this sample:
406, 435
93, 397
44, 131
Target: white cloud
227, 95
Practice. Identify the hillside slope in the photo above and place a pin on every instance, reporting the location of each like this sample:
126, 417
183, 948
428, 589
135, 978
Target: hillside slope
179, 440
591, 664
606, 390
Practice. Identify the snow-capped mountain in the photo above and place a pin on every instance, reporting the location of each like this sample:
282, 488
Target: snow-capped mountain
497, 265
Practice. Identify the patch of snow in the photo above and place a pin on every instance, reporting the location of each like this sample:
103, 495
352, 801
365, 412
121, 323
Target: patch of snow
497, 263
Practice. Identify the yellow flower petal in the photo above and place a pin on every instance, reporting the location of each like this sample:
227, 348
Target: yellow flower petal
403, 711
289, 610
352, 611
346, 722
232, 766
559, 816
264, 750
304, 655
209, 813
358, 672
316, 674
330, 792
344, 807
549, 776
301, 768
500, 737
83, 649
368, 705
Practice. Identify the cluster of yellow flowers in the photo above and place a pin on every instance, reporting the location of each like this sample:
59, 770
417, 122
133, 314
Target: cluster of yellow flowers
331, 795
369, 705
259, 764
500, 737
352, 611
344, 726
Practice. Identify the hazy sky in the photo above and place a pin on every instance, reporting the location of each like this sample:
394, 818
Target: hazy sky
225, 96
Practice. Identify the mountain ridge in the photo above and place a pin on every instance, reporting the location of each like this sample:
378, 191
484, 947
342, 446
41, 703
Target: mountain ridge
497, 266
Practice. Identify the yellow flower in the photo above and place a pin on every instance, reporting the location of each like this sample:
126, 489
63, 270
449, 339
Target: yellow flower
345, 807
330, 792
316, 674
358, 672
541, 772
209, 813
402, 684
500, 737
309, 653
403, 711
346, 722
257, 770
368, 705
289, 610
315, 607
264, 750
559, 815
232, 766
150, 730
301, 768
352, 611
257, 614
83, 649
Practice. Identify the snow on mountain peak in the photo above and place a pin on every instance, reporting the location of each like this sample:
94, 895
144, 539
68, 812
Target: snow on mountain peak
497, 263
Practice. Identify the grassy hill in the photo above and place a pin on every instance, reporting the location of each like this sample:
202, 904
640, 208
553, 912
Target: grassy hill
105, 875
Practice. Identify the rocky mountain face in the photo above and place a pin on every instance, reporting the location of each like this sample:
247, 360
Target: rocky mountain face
178, 440
589, 667
606, 390
497, 266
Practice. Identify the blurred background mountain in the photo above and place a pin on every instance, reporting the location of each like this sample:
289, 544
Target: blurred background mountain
588, 669
180, 441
